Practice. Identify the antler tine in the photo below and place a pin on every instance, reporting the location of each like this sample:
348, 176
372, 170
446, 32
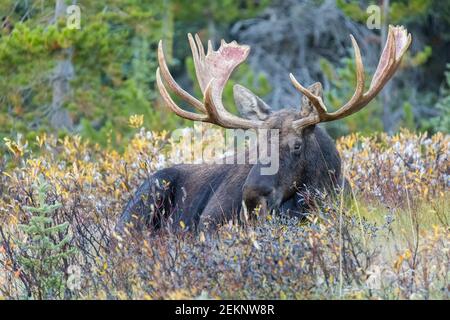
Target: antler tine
200, 47
360, 76
397, 44
349, 107
164, 70
198, 55
210, 47
384, 73
173, 106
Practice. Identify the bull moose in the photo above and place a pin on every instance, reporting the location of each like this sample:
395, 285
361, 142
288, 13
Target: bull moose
206, 195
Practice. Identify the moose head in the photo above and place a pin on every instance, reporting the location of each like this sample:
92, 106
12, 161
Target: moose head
307, 156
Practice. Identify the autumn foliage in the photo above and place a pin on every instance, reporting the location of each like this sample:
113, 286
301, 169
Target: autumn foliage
389, 239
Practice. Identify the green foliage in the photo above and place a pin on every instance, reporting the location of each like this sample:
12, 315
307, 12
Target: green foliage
421, 57
222, 12
353, 9
400, 11
408, 118
442, 122
113, 60
46, 249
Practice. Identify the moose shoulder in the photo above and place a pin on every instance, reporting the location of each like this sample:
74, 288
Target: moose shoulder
205, 195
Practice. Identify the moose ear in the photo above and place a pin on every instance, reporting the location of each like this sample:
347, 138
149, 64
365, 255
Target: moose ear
249, 105
307, 107
316, 89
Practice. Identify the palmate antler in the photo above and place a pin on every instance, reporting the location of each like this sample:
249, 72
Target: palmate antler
213, 71
398, 41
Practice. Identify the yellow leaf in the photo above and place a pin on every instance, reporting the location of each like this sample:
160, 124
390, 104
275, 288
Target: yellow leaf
7, 174
136, 121
121, 295
407, 254
398, 263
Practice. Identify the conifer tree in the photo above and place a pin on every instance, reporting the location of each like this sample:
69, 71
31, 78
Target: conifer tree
44, 255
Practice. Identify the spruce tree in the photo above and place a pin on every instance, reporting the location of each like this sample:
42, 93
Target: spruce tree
46, 250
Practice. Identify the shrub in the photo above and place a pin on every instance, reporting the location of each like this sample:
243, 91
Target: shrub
390, 240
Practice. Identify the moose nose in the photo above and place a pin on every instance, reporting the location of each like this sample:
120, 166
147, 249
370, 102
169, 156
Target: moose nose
257, 196
256, 191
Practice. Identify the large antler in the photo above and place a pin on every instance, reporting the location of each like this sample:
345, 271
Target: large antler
398, 41
213, 71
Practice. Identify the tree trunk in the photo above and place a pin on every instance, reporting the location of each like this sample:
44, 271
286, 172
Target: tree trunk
167, 30
212, 31
63, 73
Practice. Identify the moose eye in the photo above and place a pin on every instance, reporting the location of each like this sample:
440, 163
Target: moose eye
297, 148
